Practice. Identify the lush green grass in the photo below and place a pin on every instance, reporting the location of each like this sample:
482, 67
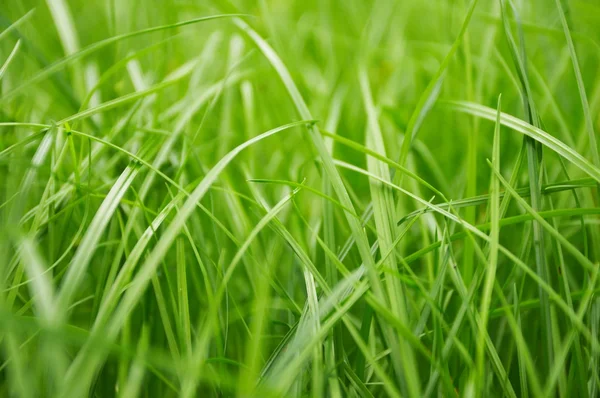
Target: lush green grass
299, 198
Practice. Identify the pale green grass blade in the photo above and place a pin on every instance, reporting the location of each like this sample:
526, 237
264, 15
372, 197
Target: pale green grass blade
12, 54
42, 289
63, 20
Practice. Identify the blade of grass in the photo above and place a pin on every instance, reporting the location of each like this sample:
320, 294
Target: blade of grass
10, 58
493, 255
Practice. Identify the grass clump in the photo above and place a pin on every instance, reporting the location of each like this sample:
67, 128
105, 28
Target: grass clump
302, 198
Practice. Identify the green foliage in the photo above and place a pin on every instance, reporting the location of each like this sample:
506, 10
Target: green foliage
317, 198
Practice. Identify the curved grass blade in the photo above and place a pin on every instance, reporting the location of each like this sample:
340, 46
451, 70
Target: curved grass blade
527, 129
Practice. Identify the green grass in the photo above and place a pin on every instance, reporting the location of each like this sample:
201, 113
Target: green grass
315, 198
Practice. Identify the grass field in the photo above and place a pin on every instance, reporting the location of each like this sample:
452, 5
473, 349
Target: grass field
299, 198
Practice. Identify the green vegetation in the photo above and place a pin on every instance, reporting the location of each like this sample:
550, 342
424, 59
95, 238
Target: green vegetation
311, 198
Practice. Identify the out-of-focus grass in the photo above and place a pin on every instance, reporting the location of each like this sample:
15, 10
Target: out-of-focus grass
299, 198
